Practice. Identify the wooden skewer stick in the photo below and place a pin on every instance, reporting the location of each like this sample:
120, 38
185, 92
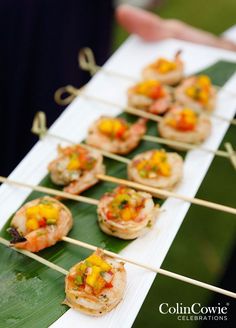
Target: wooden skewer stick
87, 62
74, 92
55, 192
185, 145
114, 255
153, 269
35, 257
165, 193
50, 191
39, 128
231, 153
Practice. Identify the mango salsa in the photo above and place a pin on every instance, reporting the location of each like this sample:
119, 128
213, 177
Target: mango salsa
92, 272
93, 277
164, 66
150, 88
156, 165
41, 215
184, 120
113, 127
98, 261
74, 164
200, 91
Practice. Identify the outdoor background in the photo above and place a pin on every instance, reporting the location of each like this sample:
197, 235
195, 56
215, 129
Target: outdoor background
206, 239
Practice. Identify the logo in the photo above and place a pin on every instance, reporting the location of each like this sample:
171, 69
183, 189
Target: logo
196, 312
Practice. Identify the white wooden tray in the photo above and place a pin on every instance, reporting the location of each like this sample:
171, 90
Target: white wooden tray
73, 123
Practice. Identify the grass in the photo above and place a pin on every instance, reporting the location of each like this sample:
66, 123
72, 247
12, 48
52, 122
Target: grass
203, 245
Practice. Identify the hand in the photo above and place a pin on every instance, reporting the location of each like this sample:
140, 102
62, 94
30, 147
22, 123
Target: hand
151, 27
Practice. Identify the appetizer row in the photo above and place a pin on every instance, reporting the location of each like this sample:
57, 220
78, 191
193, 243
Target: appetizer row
93, 286
77, 168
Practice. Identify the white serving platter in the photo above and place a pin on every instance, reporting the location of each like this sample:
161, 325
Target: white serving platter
73, 123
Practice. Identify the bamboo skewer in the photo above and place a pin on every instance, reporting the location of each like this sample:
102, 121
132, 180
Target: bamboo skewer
139, 113
91, 247
74, 92
119, 257
87, 62
187, 146
35, 257
166, 193
231, 153
154, 191
53, 192
153, 269
39, 128
50, 191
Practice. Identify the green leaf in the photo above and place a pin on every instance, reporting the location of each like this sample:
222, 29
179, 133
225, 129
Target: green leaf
31, 294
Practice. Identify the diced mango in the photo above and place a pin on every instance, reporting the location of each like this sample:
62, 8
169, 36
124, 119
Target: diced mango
164, 66
74, 164
49, 212
204, 80
32, 212
98, 261
164, 169
112, 127
99, 285
158, 156
32, 224
93, 277
128, 214
191, 92
105, 126
35, 213
117, 125
145, 86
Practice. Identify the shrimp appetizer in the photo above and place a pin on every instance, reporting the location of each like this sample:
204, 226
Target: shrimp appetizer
185, 125
40, 223
126, 213
76, 168
115, 134
165, 71
156, 168
150, 96
197, 92
96, 285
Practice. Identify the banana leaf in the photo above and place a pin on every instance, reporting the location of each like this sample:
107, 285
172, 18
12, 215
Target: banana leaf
31, 294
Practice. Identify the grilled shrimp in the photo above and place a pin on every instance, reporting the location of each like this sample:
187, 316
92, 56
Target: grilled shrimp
193, 128
95, 286
126, 213
197, 92
40, 223
150, 96
156, 168
115, 134
165, 71
76, 168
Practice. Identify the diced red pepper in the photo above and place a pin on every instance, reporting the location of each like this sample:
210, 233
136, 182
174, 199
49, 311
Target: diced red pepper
156, 92
109, 215
42, 222
108, 285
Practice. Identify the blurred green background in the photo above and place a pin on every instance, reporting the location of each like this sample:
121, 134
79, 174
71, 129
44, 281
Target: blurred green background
206, 239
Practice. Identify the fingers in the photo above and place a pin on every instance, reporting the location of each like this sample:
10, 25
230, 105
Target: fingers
151, 27
137, 21
189, 33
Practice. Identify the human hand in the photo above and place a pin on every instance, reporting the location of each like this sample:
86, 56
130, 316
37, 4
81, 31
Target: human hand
151, 27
